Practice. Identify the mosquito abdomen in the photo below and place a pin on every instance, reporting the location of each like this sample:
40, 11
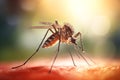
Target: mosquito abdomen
51, 40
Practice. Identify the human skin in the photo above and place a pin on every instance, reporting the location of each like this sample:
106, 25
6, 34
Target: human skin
108, 71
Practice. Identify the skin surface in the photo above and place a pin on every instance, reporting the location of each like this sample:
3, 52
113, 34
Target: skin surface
108, 71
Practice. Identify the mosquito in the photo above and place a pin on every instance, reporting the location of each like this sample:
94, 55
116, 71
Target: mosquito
63, 34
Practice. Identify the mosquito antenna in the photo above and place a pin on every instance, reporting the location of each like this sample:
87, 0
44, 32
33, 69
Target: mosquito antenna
84, 53
76, 48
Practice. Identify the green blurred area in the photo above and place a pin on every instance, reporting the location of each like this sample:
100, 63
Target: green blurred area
18, 42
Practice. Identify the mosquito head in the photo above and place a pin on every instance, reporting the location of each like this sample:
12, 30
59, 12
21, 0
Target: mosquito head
72, 40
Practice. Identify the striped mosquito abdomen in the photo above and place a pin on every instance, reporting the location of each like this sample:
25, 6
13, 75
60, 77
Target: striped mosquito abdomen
51, 40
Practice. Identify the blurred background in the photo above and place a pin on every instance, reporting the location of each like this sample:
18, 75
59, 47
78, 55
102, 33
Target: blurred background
97, 20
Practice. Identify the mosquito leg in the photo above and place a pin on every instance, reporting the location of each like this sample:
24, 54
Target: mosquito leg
51, 30
35, 51
56, 22
89, 58
76, 35
82, 55
81, 43
79, 34
72, 58
55, 58
54, 28
56, 53
77, 55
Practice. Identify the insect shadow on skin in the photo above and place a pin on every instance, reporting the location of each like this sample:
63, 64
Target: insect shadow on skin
63, 34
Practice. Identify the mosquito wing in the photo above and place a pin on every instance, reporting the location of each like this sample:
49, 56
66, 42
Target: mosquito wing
40, 27
46, 23
43, 27
49, 23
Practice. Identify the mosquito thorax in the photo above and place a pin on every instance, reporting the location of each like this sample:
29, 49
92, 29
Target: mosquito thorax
69, 29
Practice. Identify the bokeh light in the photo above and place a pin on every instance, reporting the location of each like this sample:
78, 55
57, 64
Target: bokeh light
95, 19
